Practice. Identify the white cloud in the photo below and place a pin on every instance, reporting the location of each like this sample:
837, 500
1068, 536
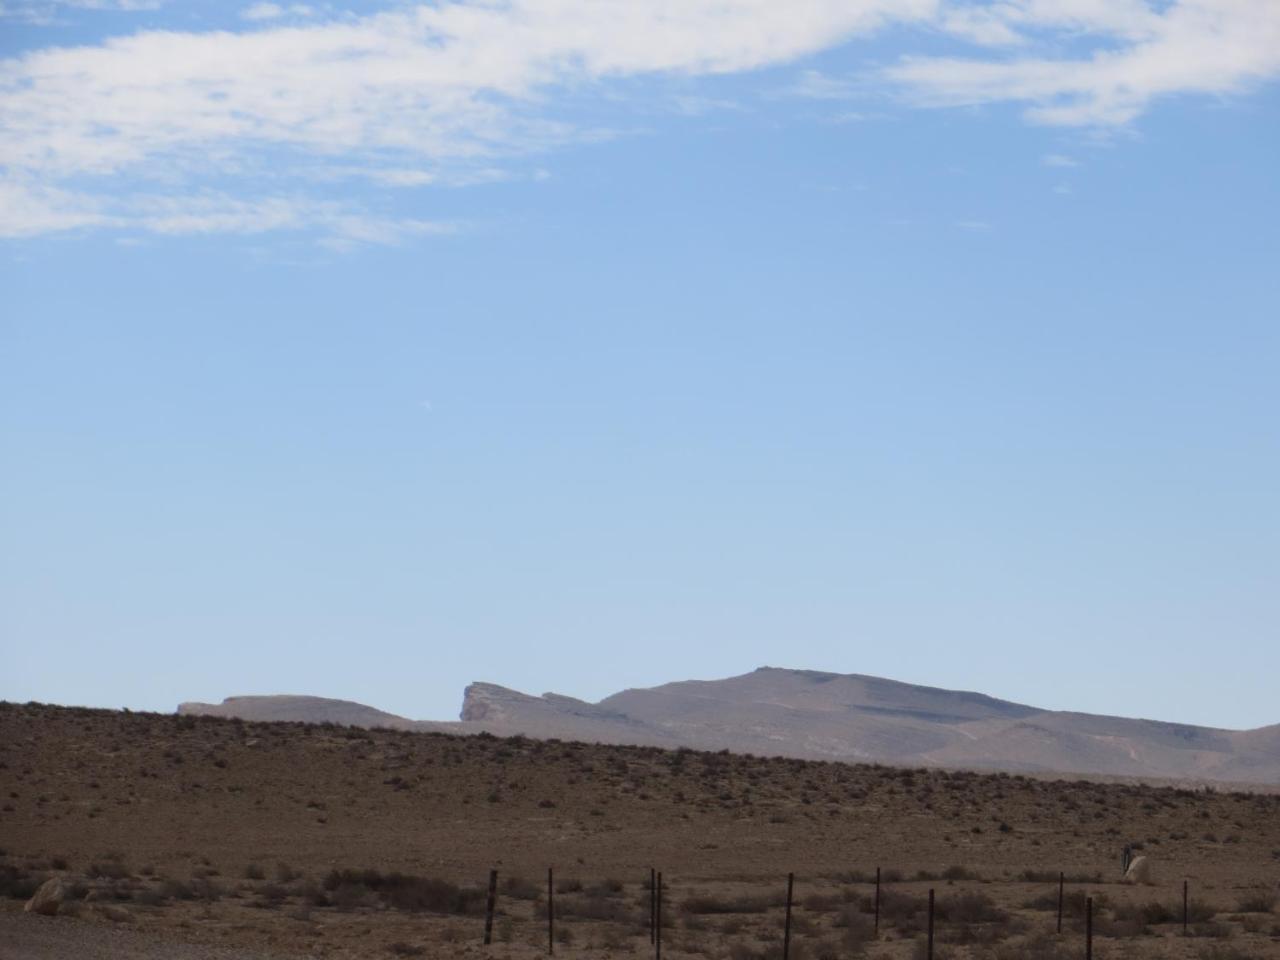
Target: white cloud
49, 12
446, 93
1145, 51
407, 96
815, 85
29, 210
1059, 160
274, 11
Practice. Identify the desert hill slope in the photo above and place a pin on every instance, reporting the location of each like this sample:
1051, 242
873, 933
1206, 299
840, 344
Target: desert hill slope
828, 716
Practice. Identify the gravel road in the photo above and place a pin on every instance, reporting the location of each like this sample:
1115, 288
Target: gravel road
24, 936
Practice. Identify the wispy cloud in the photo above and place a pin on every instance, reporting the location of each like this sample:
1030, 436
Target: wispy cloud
1142, 51
50, 12
412, 96
34, 209
449, 93
274, 11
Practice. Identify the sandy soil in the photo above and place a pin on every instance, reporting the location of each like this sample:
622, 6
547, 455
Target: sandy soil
278, 840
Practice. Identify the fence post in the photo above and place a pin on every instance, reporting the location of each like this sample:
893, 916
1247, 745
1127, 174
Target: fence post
1088, 928
488, 908
653, 903
877, 901
1184, 908
551, 914
1062, 880
657, 926
930, 954
786, 928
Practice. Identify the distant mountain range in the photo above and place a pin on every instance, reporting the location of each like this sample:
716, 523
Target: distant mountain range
829, 716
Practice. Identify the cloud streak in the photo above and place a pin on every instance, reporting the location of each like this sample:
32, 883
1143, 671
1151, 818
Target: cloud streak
441, 94
1151, 51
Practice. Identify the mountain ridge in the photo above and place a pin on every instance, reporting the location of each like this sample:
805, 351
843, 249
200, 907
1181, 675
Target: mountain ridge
830, 716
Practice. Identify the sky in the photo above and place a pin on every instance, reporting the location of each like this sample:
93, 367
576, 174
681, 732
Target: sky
367, 350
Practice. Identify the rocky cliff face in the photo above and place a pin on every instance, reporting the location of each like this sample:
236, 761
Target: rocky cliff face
490, 703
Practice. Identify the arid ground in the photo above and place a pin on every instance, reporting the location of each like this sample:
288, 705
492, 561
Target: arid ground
201, 837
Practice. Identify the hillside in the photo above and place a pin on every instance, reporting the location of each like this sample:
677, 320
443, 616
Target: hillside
815, 715
286, 841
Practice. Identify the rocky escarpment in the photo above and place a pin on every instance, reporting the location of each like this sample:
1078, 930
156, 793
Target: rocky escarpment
849, 717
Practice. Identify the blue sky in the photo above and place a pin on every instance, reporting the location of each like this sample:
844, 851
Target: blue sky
367, 350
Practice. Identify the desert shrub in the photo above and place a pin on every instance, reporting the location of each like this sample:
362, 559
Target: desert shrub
958, 872
605, 888
1257, 901
968, 907
197, 888
18, 884
520, 888
587, 907
108, 870
920, 951
172, 889
771, 951
823, 902
1198, 911
1224, 952
1040, 876
311, 894
402, 949
1211, 929
857, 928
1131, 919
754, 903
404, 892
853, 876
1073, 903
150, 896
272, 894
254, 872
1041, 947
350, 896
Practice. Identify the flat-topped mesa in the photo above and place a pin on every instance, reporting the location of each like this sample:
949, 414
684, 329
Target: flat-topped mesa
297, 709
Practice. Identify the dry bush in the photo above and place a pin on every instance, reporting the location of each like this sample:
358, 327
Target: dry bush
969, 907
403, 892
108, 870
402, 949
1041, 947
1211, 929
853, 876
857, 927
824, 902
17, 883
743, 903
519, 888
1073, 903
1257, 901
1223, 952
589, 906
